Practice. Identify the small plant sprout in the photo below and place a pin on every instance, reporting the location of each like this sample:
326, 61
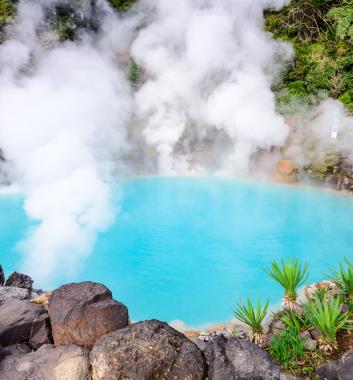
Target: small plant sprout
252, 317
327, 318
343, 278
291, 274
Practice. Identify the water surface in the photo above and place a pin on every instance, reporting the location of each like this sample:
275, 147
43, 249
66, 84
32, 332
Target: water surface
188, 249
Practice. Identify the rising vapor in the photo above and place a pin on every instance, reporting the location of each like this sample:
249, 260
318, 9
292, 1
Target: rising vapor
69, 118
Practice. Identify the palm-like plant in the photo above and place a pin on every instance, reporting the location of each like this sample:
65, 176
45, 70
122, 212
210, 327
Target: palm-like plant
327, 318
291, 274
252, 317
343, 278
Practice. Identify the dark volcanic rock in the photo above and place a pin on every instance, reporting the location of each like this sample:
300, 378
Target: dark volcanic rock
19, 280
48, 363
81, 313
16, 320
240, 359
40, 332
2, 276
341, 369
146, 350
9, 292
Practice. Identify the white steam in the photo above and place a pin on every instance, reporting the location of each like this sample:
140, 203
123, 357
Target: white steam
209, 65
63, 116
65, 109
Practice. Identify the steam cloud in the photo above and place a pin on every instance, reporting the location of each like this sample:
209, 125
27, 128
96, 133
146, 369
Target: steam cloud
210, 65
64, 111
69, 116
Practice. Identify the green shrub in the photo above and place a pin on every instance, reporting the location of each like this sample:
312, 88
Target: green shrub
7, 11
343, 18
295, 322
252, 317
287, 347
133, 71
343, 278
290, 274
321, 33
121, 5
327, 318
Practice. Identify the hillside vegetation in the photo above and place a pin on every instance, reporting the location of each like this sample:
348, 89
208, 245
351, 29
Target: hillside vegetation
321, 32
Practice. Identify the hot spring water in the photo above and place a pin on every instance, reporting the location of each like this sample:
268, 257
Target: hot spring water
188, 249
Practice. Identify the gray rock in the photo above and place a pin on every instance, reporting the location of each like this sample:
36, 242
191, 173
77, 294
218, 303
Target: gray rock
81, 313
277, 326
16, 320
314, 334
309, 343
19, 280
147, 350
40, 332
341, 369
14, 349
48, 363
2, 276
238, 359
8, 292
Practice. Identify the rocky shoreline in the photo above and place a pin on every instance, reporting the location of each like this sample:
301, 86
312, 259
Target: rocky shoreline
80, 332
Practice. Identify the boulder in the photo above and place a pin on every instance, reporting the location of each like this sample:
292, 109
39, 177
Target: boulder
2, 276
146, 350
48, 363
341, 369
16, 320
40, 332
19, 280
240, 359
83, 312
8, 292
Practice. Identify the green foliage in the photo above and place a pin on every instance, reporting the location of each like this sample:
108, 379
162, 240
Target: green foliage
295, 322
7, 11
287, 348
321, 32
63, 28
133, 71
291, 274
343, 278
343, 18
250, 316
121, 5
327, 318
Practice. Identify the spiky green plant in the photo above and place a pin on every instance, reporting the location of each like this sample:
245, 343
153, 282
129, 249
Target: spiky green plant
327, 318
291, 274
343, 278
295, 322
253, 317
287, 348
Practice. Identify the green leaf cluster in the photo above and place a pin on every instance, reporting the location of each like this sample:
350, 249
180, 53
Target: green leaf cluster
327, 318
121, 5
343, 278
321, 33
287, 348
253, 317
7, 11
291, 274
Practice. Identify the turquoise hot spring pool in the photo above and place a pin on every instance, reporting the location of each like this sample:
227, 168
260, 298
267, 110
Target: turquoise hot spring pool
188, 249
